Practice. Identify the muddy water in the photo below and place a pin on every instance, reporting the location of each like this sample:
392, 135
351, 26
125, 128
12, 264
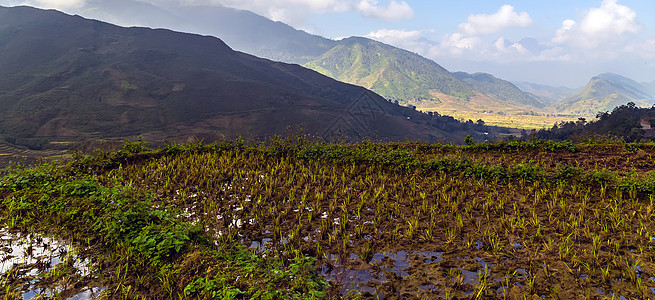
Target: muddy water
26, 261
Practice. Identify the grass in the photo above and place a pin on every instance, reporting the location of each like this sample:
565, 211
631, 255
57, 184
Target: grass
505, 219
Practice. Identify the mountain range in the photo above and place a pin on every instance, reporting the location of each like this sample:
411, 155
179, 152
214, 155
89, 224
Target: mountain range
66, 76
393, 73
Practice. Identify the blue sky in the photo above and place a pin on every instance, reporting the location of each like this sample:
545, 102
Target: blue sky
557, 42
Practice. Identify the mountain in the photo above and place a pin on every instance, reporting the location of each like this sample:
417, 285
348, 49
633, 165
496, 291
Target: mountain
387, 70
66, 76
499, 89
650, 87
605, 92
394, 73
242, 30
547, 94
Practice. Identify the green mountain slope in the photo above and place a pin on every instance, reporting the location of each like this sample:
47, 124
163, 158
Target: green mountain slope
605, 92
66, 76
498, 89
394, 73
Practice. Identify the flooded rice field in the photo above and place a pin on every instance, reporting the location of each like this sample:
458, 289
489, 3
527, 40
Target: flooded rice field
376, 221
30, 262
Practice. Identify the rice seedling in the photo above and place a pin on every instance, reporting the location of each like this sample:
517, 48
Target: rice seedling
553, 209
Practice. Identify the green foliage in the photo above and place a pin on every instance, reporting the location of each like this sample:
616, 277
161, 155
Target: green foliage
127, 86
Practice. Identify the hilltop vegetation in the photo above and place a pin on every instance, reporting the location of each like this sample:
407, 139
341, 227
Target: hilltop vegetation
312, 220
624, 122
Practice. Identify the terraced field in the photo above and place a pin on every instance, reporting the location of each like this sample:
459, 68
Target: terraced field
295, 219
13, 155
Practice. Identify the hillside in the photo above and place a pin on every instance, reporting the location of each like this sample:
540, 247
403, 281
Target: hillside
66, 76
394, 73
499, 89
650, 87
548, 94
605, 92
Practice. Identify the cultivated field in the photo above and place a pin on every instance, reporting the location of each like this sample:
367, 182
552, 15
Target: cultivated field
508, 220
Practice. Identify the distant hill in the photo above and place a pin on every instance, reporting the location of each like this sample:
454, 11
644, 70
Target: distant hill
389, 71
650, 87
605, 92
548, 94
499, 89
66, 76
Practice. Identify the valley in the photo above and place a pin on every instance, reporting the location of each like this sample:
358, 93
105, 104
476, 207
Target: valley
210, 152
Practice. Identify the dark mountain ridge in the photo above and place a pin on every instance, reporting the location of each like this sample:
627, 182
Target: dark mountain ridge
66, 76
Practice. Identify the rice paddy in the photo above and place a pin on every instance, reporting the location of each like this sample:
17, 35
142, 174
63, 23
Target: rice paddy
298, 219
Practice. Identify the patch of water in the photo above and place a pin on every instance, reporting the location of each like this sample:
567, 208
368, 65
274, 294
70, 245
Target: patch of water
377, 257
469, 276
484, 263
401, 263
478, 245
427, 287
36, 254
620, 297
41, 293
88, 294
432, 256
639, 270
584, 276
260, 245
29, 250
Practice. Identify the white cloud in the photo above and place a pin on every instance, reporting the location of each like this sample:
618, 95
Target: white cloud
56, 4
412, 40
603, 25
392, 36
504, 18
564, 33
393, 11
295, 12
645, 49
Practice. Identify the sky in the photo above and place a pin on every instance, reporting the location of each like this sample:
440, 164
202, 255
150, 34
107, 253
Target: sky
556, 42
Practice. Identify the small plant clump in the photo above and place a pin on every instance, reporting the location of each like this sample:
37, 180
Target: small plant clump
300, 219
